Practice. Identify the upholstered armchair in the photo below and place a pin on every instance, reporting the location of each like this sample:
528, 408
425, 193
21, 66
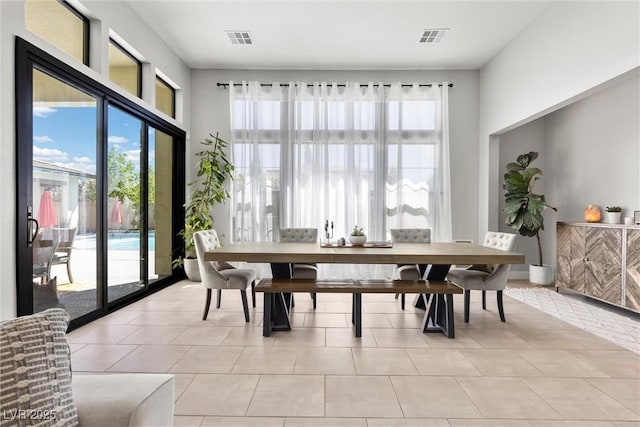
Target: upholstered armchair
410, 271
301, 235
212, 278
486, 277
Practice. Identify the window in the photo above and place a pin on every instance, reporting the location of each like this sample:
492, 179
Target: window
165, 97
355, 155
59, 24
124, 69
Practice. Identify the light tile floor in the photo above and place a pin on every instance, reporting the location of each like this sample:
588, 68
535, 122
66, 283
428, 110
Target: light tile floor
533, 370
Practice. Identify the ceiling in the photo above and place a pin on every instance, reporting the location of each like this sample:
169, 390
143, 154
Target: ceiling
347, 34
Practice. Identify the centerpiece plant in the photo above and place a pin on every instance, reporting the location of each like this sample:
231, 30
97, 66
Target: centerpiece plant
213, 170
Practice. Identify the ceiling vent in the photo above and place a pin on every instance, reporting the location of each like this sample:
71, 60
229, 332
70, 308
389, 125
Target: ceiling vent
239, 37
433, 35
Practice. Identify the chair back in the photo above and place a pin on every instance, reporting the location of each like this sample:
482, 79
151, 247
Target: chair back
411, 235
302, 235
503, 241
205, 241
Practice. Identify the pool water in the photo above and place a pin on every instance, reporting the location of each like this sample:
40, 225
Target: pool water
118, 241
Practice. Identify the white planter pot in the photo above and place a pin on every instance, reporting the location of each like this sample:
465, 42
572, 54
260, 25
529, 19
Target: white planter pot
191, 269
612, 217
540, 275
357, 240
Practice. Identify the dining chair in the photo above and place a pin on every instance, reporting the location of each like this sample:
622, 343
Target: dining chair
301, 270
486, 277
212, 278
409, 271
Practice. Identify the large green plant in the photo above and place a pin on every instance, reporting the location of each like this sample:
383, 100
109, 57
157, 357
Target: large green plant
523, 207
214, 169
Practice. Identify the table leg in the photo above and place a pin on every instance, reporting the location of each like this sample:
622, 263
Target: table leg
439, 318
280, 303
266, 322
437, 273
357, 314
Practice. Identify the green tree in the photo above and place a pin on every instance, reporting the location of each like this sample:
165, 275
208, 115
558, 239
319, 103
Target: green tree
122, 177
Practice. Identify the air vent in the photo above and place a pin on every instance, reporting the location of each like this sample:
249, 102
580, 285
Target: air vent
433, 35
239, 37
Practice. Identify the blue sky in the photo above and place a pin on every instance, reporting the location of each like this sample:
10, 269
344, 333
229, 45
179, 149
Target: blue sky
66, 136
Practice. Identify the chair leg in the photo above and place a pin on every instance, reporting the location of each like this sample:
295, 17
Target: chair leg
69, 270
467, 297
397, 295
402, 301
500, 306
313, 298
245, 304
484, 299
207, 304
253, 293
219, 300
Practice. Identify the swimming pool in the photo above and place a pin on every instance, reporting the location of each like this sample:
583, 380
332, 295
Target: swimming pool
116, 241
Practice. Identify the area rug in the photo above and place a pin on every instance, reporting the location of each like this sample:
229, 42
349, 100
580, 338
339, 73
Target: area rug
609, 323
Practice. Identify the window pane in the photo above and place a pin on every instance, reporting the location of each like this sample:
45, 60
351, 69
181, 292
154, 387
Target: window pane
165, 97
56, 23
124, 70
64, 196
160, 178
411, 115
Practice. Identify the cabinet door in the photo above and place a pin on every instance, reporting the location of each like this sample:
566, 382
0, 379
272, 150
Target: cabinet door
603, 256
632, 287
563, 252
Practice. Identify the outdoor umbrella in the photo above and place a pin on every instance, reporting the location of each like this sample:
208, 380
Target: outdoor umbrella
115, 219
46, 214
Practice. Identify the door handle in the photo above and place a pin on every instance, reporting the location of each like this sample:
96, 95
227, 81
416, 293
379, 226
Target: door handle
31, 235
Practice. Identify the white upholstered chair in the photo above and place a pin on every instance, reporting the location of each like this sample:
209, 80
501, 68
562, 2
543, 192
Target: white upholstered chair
486, 277
212, 278
409, 235
301, 235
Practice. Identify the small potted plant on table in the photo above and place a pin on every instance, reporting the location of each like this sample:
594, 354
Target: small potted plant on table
357, 237
613, 214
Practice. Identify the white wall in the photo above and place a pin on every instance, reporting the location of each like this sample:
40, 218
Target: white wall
105, 15
210, 107
568, 51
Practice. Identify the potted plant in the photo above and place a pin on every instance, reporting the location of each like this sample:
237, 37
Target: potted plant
213, 170
524, 208
613, 214
357, 237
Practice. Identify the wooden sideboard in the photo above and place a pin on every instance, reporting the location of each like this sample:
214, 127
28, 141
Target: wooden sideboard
601, 261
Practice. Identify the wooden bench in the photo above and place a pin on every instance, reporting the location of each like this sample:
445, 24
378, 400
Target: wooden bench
438, 318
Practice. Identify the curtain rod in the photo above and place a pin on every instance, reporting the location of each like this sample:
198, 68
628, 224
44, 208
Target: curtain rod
339, 85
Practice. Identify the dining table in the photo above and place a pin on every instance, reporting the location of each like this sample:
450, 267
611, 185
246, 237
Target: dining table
434, 259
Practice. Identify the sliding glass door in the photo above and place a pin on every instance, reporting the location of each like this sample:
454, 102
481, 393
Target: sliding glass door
100, 184
63, 196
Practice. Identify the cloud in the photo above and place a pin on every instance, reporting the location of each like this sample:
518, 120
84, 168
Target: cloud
118, 139
49, 154
42, 139
133, 155
79, 166
43, 111
84, 159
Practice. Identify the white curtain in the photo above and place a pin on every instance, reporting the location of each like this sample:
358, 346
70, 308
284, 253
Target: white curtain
353, 154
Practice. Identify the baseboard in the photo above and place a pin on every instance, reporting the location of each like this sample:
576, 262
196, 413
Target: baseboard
519, 275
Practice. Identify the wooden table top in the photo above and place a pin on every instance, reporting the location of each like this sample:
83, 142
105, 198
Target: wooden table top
400, 253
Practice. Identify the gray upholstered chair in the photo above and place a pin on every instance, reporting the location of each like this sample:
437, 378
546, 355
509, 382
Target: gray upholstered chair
301, 235
212, 278
486, 277
409, 235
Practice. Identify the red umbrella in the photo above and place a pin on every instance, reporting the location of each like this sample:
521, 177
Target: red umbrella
46, 214
116, 213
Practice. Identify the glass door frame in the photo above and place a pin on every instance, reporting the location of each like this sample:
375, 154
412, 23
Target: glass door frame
28, 57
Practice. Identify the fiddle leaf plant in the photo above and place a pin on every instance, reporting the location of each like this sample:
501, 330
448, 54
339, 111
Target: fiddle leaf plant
523, 207
214, 168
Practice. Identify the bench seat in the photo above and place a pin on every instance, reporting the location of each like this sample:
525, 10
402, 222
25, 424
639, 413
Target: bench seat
271, 287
